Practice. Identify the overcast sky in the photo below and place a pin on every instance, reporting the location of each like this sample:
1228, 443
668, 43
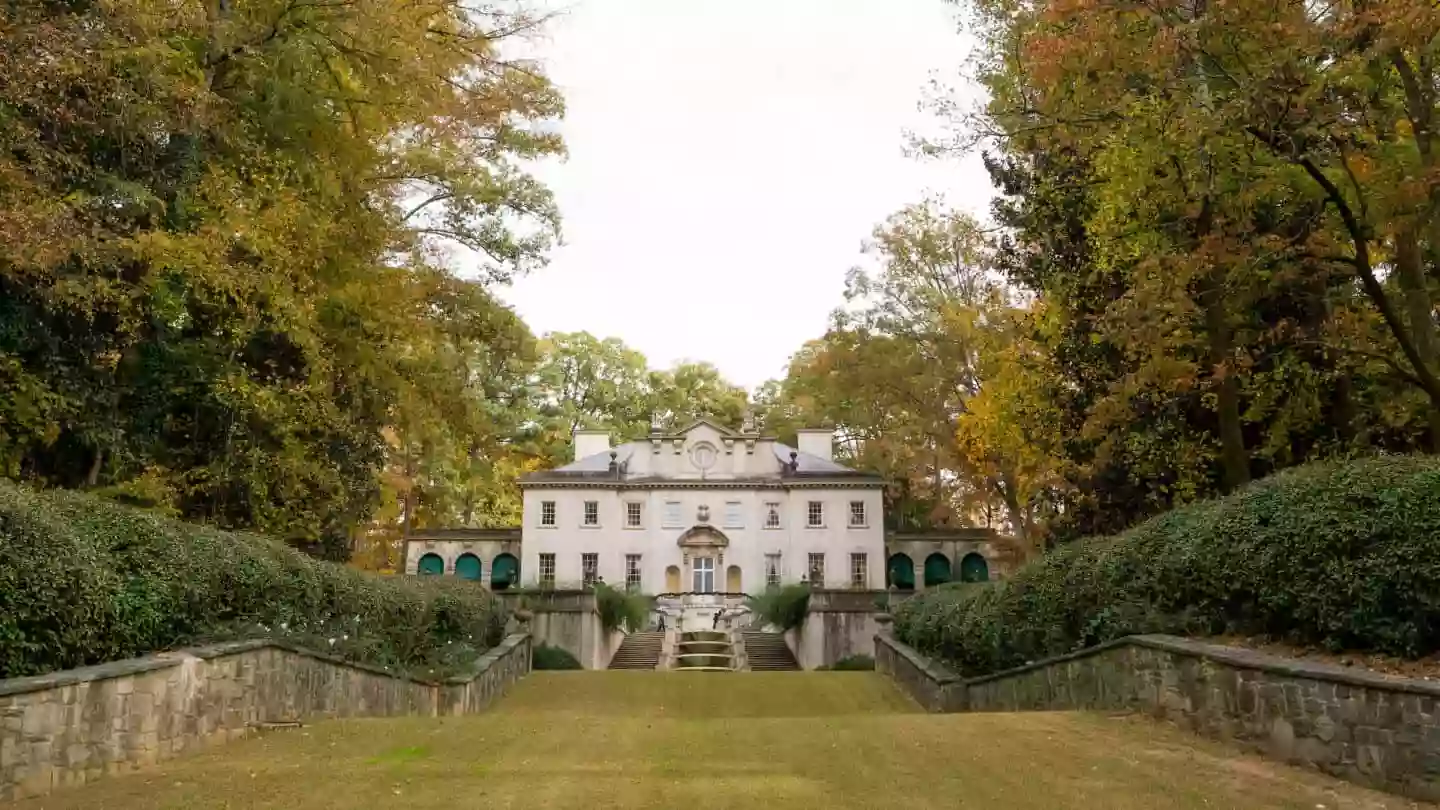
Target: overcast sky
727, 159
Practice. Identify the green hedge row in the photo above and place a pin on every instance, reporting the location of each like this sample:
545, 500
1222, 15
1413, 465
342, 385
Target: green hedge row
543, 656
784, 606
84, 581
1339, 556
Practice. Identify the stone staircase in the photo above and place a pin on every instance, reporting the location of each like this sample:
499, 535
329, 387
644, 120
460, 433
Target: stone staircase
638, 651
766, 652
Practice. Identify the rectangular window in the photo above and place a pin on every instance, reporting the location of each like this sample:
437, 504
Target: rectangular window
733, 517
547, 570
633, 515
815, 514
772, 570
817, 569
672, 513
592, 513
547, 513
772, 515
857, 514
703, 570
859, 571
589, 569
632, 572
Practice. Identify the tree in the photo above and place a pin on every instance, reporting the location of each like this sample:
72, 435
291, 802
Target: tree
223, 275
1167, 171
585, 382
695, 390
901, 367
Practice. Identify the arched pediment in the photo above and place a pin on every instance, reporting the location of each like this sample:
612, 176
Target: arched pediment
703, 537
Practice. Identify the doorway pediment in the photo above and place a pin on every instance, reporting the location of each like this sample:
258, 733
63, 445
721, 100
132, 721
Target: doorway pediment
703, 537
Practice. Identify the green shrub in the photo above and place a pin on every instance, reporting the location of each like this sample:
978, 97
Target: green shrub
543, 656
622, 610
1340, 556
785, 606
84, 580
852, 663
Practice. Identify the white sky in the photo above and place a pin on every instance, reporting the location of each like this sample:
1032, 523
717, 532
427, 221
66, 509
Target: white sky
727, 159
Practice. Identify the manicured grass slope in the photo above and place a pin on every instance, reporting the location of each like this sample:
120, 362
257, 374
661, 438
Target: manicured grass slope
702, 741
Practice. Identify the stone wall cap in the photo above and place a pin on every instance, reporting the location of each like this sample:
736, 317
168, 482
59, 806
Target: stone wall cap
95, 672
1240, 657
488, 660
932, 669
1283, 665
165, 660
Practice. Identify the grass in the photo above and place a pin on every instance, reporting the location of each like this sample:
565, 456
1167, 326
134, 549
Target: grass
819, 741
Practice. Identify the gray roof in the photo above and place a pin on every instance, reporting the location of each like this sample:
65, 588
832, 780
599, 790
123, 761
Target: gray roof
808, 463
600, 462
598, 466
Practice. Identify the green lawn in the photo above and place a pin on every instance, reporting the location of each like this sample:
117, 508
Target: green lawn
692, 741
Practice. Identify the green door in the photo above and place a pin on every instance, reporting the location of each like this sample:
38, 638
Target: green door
937, 569
504, 572
468, 567
902, 572
974, 569
431, 565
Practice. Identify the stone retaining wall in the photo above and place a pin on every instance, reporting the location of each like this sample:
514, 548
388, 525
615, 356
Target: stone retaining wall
934, 687
71, 727
1368, 728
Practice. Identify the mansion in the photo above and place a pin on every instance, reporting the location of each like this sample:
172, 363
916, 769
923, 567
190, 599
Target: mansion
706, 510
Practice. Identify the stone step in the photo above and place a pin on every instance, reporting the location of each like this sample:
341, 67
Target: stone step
638, 651
767, 652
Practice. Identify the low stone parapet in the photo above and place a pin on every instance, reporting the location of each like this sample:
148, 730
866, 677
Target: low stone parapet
68, 728
1368, 728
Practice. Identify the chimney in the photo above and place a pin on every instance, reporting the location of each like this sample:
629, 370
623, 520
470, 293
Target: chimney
816, 442
591, 443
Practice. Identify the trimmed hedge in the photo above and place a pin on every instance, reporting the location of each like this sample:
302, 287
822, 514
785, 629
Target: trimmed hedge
84, 580
622, 610
1338, 556
851, 663
785, 606
543, 656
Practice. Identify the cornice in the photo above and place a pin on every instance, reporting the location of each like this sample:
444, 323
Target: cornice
784, 484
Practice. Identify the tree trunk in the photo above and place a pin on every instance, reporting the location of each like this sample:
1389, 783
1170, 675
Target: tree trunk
1235, 461
97, 464
1410, 273
1019, 515
1233, 456
409, 505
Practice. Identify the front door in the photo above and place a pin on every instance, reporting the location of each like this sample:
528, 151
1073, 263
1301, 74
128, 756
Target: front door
703, 571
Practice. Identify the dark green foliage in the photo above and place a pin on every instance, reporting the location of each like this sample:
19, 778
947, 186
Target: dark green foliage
546, 657
785, 606
851, 663
621, 610
1342, 556
84, 580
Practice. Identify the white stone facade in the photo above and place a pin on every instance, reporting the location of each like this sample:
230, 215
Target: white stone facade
691, 511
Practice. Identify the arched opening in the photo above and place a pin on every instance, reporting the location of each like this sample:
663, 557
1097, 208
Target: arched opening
900, 573
973, 568
672, 579
431, 565
504, 572
937, 569
468, 567
732, 580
